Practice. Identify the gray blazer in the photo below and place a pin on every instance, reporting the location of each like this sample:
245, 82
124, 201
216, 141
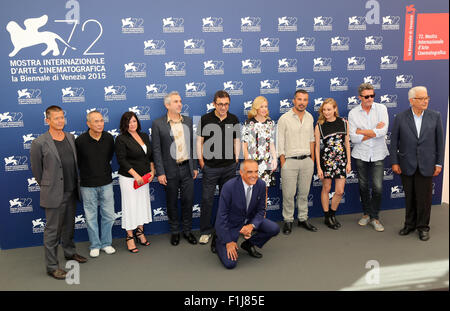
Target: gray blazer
411, 151
163, 141
47, 169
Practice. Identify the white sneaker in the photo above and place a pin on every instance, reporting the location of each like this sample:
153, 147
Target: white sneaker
204, 238
377, 225
364, 220
94, 252
109, 250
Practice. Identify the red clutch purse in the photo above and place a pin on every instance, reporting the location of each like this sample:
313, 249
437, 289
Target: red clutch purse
146, 179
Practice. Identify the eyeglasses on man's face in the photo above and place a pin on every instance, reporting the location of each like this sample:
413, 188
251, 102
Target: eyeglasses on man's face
369, 96
422, 99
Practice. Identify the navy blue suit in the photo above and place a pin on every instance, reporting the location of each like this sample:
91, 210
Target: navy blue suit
232, 215
417, 156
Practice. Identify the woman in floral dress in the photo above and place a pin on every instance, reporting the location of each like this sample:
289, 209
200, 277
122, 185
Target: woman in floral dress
258, 140
332, 156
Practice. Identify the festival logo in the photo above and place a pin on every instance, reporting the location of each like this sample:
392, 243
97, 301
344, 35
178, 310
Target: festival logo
233, 87
287, 65
251, 66
212, 24
247, 107
154, 47
142, 112
339, 84
352, 178
16, 163
270, 45
195, 89
20, 205
352, 102
132, 25
323, 23
213, 67
356, 63
403, 81
117, 218
29, 96
317, 103
316, 181
269, 87
114, 133
397, 192
375, 81
305, 44
391, 23
389, 100
250, 24
230, 45
273, 204
135, 70
159, 214
155, 90
357, 23
11, 119
72, 95
33, 185
210, 107
305, 84
80, 222
287, 23
115, 92
196, 211
173, 25
28, 139
388, 62
373, 43
286, 105
175, 69
194, 46
322, 64
38, 225
388, 174
340, 44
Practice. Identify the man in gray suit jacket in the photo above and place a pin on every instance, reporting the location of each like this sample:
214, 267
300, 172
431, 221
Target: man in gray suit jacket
176, 169
417, 154
54, 165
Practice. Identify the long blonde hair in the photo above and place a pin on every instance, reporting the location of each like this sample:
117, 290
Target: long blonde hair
331, 101
257, 102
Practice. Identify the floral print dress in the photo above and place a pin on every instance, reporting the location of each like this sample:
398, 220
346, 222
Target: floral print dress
259, 136
333, 156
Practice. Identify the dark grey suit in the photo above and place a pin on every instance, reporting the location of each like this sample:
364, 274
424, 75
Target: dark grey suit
59, 206
417, 156
178, 176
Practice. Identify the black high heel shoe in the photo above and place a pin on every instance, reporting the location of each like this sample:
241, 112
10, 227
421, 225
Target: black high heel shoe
134, 250
137, 233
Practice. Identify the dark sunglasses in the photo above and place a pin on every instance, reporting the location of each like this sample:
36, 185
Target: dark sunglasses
367, 96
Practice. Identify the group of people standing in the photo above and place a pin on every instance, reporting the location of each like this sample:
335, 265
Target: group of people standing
66, 168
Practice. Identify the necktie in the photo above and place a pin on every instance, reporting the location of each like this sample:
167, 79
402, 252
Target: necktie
248, 196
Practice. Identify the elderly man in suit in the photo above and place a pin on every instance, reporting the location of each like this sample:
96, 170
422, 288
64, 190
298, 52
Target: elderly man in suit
417, 154
241, 211
54, 165
176, 168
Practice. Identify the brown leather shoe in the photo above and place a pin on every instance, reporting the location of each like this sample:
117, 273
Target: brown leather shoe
58, 274
78, 258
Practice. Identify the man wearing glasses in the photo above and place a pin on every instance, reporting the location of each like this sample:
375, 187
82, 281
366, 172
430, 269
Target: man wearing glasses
218, 147
417, 155
368, 123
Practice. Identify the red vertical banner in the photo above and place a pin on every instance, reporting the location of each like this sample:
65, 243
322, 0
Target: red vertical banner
432, 36
408, 49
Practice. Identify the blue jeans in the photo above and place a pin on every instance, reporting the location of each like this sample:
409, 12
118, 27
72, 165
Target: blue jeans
93, 197
370, 204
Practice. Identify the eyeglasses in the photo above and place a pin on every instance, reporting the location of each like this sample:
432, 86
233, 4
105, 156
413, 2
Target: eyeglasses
422, 98
367, 96
222, 105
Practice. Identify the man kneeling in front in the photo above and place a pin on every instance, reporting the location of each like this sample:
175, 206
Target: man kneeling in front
241, 211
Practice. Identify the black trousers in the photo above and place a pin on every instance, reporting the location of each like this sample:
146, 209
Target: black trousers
184, 183
418, 194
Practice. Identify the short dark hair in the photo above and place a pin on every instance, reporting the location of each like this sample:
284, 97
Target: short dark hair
300, 91
125, 121
50, 109
221, 94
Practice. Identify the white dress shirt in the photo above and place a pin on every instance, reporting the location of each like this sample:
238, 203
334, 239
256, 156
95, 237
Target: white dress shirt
418, 122
374, 149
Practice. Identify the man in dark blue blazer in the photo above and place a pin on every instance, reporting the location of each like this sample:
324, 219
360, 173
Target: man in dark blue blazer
417, 154
241, 211
175, 164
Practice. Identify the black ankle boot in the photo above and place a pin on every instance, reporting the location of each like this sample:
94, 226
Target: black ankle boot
333, 218
329, 221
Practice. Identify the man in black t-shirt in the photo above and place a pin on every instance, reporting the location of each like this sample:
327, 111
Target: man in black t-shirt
218, 147
95, 149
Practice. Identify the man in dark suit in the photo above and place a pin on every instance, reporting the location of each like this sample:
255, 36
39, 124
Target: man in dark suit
241, 211
54, 164
175, 166
417, 154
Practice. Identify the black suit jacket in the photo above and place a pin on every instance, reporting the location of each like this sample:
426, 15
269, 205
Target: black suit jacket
163, 141
130, 154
